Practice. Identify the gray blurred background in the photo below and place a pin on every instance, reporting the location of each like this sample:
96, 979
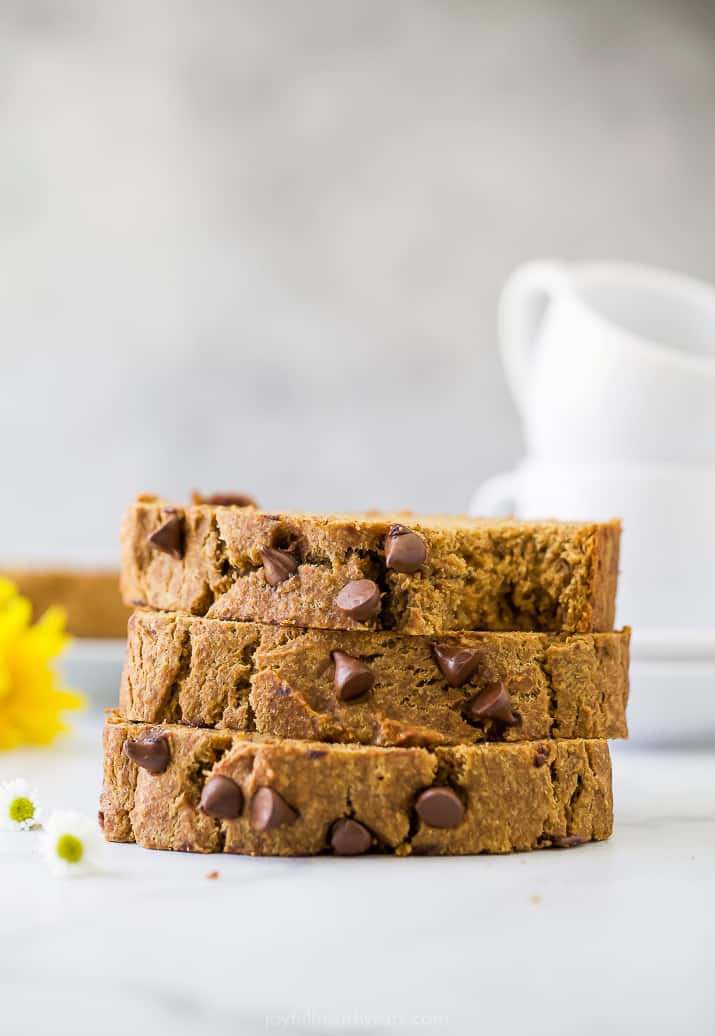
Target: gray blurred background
258, 246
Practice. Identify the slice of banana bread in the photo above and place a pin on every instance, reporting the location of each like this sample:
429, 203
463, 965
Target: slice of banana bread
376, 688
172, 787
90, 597
417, 575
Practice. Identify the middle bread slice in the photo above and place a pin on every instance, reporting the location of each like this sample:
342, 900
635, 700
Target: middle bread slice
377, 688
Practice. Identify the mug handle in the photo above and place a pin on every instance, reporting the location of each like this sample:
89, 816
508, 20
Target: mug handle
522, 304
495, 498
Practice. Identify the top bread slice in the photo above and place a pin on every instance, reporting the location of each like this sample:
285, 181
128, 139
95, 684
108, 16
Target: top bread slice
413, 574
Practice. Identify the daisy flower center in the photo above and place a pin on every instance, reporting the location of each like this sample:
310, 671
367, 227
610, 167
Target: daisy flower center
21, 809
69, 848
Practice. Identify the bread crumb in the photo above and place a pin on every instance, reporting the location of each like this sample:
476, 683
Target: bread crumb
212, 875
536, 899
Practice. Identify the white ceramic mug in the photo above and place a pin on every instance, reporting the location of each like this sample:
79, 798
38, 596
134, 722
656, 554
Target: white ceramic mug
667, 565
611, 362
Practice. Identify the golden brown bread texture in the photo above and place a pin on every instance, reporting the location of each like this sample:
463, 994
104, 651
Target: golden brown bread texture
513, 796
491, 574
280, 681
90, 597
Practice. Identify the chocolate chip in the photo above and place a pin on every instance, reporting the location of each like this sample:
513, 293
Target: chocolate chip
169, 537
492, 702
350, 838
100, 819
405, 551
360, 599
567, 841
221, 798
316, 753
223, 499
352, 677
270, 810
542, 756
457, 664
440, 807
150, 752
278, 565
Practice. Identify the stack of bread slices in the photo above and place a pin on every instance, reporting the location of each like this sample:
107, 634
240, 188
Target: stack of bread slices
299, 684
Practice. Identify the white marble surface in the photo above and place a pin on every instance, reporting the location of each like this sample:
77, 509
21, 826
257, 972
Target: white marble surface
602, 938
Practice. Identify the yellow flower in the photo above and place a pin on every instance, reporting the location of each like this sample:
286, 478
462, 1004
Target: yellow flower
31, 698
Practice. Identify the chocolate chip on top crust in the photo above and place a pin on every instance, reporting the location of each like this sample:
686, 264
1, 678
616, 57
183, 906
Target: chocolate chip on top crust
169, 537
270, 810
150, 752
223, 499
405, 551
492, 702
352, 677
457, 664
350, 838
278, 565
440, 807
221, 798
360, 599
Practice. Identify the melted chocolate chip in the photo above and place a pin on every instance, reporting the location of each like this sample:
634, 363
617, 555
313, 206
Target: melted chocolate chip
221, 798
492, 702
457, 664
169, 537
278, 565
350, 838
440, 807
270, 810
542, 756
100, 818
352, 677
405, 551
150, 752
567, 841
316, 753
360, 599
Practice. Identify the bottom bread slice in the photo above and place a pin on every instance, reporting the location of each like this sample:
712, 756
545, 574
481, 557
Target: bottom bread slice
196, 790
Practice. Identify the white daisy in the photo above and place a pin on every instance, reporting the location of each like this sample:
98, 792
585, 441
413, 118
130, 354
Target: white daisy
19, 806
71, 844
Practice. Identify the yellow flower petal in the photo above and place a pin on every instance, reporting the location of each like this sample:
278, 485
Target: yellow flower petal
8, 590
31, 696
